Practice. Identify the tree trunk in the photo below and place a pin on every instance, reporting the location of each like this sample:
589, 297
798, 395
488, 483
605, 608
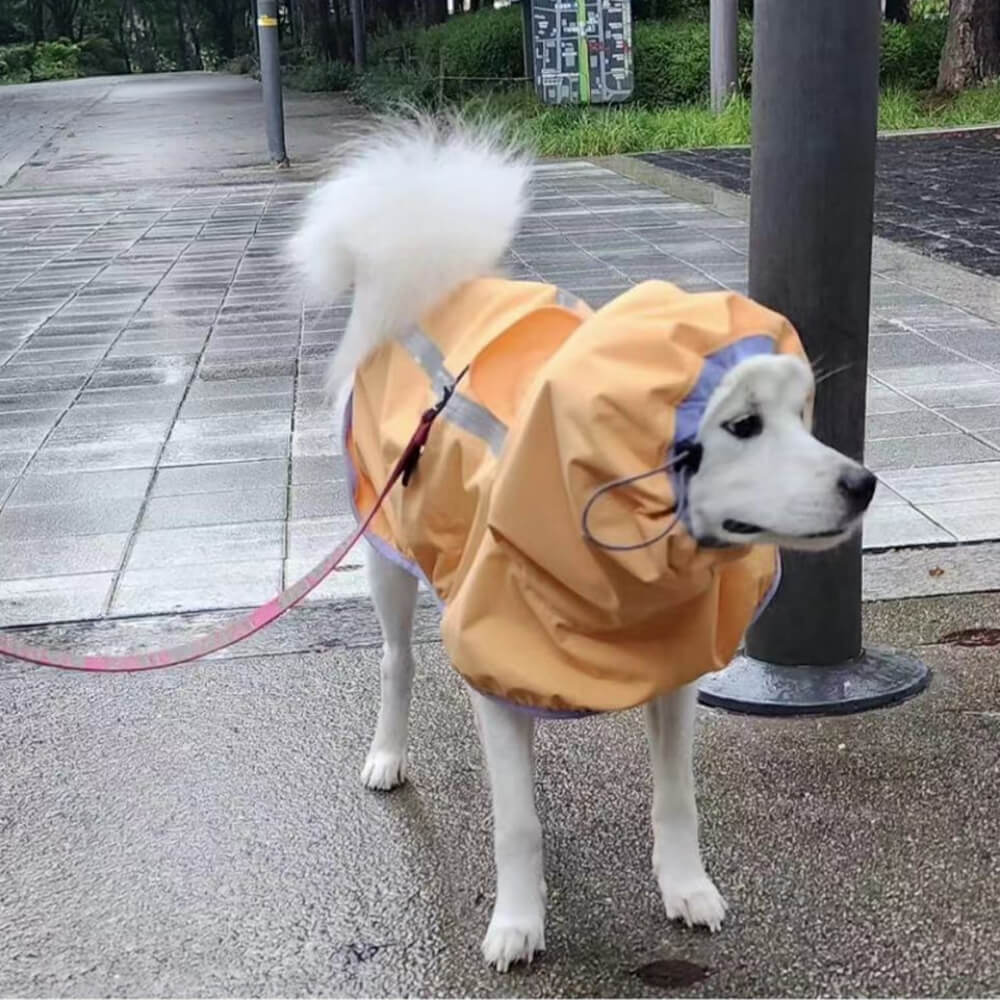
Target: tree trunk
338, 27
435, 12
182, 49
898, 11
972, 49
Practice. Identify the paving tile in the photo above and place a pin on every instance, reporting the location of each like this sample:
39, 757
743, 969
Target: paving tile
34, 401
343, 583
315, 443
265, 424
905, 352
61, 555
929, 450
963, 395
940, 484
80, 487
204, 546
984, 345
107, 435
920, 572
95, 457
221, 405
120, 415
251, 386
906, 425
320, 499
186, 479
318, 469
196, 588
881, 399
975, 418
24, 438
53, 599
900, 525
958, 373
202, 452
232, 507
83, 517
968, 520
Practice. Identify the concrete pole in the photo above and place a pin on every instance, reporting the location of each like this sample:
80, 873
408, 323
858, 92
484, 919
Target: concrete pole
815, 108
270, 79
724, 26
358, 23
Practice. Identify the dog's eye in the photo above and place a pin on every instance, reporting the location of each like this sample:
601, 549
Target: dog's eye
745, 427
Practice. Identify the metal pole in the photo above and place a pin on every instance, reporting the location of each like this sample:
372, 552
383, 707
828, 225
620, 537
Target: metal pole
815, 108
528, 39
270, 79
724, 26
358, 22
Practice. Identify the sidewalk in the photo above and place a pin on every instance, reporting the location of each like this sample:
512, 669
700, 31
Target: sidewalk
165, 445
214, 840
166, 456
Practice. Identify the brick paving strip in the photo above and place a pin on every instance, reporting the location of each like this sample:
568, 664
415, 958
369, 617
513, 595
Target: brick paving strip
938, 193
165, 445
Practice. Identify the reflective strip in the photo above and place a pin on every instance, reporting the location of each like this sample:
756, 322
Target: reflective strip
567, 300
460, 410
267, 22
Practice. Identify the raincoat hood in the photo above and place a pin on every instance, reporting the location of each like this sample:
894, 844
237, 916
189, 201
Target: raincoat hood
555, 402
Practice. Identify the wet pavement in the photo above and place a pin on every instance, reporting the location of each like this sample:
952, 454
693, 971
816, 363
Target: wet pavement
203, 832
166, 445
938, 193
166, 455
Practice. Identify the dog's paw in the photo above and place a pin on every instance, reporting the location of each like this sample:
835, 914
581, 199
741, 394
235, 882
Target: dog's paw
697, 902
383, 770
510, 940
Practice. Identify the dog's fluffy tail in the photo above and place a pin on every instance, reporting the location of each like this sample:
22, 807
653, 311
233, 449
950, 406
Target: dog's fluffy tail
415, 211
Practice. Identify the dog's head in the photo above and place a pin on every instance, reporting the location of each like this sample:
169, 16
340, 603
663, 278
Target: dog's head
763, 477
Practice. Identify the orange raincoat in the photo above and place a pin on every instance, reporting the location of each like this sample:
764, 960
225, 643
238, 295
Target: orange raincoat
557, 401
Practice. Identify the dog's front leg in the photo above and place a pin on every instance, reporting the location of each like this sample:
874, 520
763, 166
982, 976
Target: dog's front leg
688, 892
517, 928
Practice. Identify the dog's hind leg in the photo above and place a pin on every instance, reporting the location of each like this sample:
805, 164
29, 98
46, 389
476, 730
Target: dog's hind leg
394, 592
688, 892
517, 928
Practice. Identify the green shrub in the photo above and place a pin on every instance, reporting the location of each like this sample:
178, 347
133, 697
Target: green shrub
99, 56
911, 52
672, 60
15, 63
322, 75
383, 87
478, 49
239, 65
56, 61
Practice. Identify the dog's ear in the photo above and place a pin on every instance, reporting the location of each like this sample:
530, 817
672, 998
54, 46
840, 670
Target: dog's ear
503, 370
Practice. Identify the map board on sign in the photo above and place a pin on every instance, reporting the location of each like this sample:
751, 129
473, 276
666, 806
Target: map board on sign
581, 50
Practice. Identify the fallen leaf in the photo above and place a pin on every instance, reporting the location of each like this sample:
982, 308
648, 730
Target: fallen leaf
937, 571
973, 637
671, 973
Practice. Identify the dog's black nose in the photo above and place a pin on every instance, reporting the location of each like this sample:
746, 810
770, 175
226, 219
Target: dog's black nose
858, 487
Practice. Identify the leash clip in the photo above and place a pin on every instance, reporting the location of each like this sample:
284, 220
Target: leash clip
419, 441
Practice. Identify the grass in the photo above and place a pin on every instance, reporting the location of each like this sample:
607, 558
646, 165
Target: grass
595, 131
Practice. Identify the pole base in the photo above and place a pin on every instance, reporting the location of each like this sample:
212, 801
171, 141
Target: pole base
877, 678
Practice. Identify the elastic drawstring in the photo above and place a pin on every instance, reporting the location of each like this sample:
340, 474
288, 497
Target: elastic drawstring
686, 460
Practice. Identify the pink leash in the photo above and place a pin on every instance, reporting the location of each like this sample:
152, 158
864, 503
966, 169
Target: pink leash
256, 620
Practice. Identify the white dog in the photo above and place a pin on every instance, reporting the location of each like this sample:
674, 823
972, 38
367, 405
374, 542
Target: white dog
418, 212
